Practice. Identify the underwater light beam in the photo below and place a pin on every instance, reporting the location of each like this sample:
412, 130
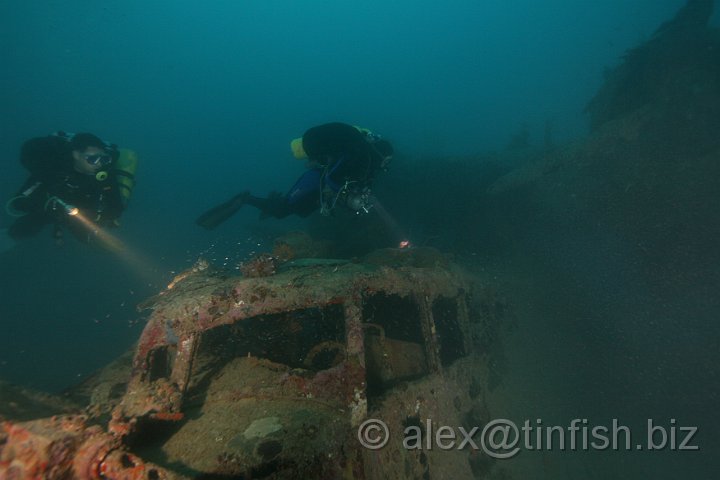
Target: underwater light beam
142, 267
391, 223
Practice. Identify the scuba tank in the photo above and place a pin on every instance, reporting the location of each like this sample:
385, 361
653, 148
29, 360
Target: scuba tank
124, 169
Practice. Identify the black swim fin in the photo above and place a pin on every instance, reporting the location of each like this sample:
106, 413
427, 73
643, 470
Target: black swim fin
217, 215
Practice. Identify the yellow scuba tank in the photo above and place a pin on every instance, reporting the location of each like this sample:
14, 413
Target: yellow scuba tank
364, 130
125, 167
298, 151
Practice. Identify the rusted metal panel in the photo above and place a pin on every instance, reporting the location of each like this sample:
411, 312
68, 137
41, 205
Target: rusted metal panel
271, 376
64, 447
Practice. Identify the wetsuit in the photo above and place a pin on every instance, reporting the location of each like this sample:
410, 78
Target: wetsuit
50, 162
342, 154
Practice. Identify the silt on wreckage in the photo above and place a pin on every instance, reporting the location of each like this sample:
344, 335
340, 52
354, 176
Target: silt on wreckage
270, 375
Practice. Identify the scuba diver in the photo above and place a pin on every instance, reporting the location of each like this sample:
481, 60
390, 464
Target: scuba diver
77, 182
343, 161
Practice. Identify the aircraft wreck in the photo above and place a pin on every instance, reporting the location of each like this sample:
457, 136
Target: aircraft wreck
271, 374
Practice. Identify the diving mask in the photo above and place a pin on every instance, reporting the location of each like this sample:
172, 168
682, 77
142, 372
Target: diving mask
98, 159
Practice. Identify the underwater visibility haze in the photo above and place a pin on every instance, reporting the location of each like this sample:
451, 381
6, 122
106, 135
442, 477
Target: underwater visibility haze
565, 153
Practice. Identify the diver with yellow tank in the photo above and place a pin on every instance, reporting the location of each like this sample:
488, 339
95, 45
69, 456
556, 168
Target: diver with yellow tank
342, 160
78, 182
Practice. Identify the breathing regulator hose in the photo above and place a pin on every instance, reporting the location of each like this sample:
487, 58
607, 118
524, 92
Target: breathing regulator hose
9, 207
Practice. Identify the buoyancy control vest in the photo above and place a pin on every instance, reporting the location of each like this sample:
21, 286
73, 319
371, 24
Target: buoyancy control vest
123, 166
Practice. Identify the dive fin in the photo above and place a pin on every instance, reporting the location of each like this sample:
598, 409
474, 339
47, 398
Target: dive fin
217, 215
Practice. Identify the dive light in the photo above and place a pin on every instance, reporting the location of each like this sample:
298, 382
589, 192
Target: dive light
69, 209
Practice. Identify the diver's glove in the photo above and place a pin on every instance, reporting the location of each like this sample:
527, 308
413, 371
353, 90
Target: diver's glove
60, 209
275, 205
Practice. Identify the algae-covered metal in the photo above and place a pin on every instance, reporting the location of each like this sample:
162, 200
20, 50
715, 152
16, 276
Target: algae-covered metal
271, 376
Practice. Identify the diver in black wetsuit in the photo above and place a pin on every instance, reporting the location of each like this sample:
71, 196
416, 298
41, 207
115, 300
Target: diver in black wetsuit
71, 175
343, 163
